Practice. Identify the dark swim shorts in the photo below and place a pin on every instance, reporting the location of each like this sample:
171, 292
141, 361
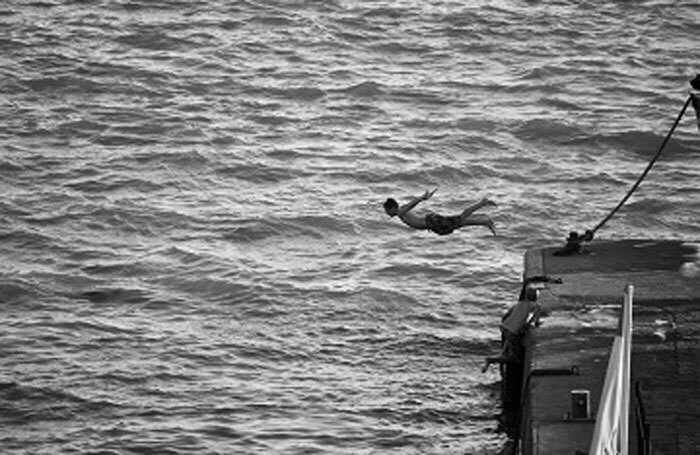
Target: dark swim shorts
442, 225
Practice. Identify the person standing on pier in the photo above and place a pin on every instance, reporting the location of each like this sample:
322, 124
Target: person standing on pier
439, 224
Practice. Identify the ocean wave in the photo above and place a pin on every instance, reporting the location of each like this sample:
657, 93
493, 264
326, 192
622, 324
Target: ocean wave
263, 352
276, 19
644, 143
14, 290
298, 93
395, 48
8, 165
112, 296
124, 218
63, 84
112, 183
549, 130
432, 270
27, 239
367, 89
186, 159
148, 38
120, 140
81, 127
393, 13
97, 265
414, 414
214, 288
273, 120
261, 173
433, 175
429, 344
313, 226
27, 404
124, 377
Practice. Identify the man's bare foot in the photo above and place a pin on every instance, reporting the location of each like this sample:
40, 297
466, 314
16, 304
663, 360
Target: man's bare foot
488, 202
491, 225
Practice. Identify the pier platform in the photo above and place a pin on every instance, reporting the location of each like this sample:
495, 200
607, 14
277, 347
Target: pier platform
564, 354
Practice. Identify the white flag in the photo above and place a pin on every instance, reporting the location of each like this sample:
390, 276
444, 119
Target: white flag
611, 434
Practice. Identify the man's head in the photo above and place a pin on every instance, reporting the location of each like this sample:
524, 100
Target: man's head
391, 207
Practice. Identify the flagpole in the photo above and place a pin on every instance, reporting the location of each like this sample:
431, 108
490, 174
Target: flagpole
626, 369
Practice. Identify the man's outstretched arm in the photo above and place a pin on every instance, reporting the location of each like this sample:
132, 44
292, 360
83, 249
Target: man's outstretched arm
415, 201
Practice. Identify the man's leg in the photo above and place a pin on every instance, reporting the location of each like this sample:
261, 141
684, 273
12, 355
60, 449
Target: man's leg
479, 220
473, 208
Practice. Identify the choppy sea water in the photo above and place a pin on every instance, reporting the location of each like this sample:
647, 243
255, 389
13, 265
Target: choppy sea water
194, 254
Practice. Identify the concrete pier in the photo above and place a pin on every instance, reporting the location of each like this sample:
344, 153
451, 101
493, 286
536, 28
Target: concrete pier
564, 355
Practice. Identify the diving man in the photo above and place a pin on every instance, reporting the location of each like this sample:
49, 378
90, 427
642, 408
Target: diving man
439, 224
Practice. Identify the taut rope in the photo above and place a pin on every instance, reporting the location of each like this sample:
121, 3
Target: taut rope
573, 243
